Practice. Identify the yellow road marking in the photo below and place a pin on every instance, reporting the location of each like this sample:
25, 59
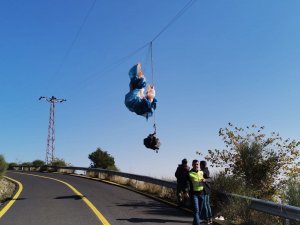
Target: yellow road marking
87, 202
15, 197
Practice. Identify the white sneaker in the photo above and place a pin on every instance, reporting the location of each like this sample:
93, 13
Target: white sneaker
220, 218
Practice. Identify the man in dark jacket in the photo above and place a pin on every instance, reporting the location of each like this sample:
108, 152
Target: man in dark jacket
206, 214
181, 174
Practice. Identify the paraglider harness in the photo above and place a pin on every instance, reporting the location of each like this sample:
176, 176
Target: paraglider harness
152, 141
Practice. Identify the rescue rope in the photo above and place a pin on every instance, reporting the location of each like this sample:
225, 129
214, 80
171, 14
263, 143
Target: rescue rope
152, 75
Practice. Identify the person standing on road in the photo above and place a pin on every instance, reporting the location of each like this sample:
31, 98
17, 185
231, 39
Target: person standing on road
195, 181
182, 188
206, 214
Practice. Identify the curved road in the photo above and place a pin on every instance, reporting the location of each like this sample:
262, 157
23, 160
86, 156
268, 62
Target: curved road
50, 202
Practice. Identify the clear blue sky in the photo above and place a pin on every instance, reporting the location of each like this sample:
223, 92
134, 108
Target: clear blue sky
222, 61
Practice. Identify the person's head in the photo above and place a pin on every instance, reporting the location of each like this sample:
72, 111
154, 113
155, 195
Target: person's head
184, 162
202, 165
195, 164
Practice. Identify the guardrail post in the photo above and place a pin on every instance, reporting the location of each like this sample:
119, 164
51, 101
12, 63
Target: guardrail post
286, 222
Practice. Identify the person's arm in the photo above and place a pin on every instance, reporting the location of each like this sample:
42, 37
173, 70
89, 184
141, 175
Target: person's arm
188, 183
176, 173
206, 176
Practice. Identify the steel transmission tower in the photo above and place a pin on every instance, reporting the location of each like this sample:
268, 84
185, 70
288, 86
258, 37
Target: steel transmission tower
51, 128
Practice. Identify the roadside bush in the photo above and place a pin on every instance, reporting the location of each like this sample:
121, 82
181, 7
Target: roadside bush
38, 163
293, 193
11, 165
235, 210
3, 166
26, 164
58, 162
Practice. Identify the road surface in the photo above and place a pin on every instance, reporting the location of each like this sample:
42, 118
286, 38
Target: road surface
53, 202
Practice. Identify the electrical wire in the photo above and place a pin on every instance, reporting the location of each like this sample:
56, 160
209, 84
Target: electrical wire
115, 64
176, 17
120, 61
76, 37
124, 59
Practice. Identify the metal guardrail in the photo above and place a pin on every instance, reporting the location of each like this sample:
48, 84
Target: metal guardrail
285, 211
168, 184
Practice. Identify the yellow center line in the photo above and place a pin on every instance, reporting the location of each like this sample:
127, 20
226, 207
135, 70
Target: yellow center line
87, 202
15, 197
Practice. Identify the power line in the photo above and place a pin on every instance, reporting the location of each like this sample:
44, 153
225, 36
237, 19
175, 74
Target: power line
76, 36
116, 63
124, 59
176, 17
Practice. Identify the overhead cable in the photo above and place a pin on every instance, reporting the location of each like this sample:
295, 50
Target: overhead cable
120, 61
176, 17
76, 36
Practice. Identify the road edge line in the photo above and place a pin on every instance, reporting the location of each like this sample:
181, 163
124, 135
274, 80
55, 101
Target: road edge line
136, 191
14, 198
86, 200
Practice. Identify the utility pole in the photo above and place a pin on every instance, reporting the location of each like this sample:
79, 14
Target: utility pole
51, 128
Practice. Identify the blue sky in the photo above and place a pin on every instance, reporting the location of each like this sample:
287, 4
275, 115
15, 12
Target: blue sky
222, 61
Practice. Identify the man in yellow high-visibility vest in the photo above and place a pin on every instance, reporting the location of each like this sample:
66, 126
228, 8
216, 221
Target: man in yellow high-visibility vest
196, 179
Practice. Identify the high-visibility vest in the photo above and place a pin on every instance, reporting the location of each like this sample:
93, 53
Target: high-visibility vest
196, 179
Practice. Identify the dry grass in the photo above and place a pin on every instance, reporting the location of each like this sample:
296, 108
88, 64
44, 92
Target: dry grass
152, 189
7, 189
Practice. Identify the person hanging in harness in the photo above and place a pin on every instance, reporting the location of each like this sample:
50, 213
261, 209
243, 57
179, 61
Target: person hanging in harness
135, 100
143, 105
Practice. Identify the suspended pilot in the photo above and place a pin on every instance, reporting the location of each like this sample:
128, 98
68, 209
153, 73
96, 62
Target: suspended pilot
135, 100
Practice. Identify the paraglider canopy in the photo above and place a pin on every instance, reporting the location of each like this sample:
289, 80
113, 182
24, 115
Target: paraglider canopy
136, 100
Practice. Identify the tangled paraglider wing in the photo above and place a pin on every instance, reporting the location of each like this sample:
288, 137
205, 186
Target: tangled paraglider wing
135, 100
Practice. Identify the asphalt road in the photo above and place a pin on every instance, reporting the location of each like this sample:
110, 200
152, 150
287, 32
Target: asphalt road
49, 202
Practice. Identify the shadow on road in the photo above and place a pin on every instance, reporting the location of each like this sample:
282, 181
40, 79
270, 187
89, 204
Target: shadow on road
156, 208
75, 197
9, 199
148, 220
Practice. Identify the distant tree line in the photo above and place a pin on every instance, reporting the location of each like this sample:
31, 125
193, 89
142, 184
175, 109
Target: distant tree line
99, 159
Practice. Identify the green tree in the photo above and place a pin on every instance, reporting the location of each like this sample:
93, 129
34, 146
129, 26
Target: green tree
59, 162
101, 159
264, 163
26, 164
3, 165
38, 162
12, 164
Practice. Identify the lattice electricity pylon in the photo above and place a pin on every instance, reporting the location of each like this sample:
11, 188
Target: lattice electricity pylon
51, 129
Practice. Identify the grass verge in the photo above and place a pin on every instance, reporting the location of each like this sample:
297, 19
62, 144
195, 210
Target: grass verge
7, 189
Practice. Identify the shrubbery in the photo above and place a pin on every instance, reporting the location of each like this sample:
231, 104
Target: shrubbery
3, 166
59, 162
255, 165
293, 192
38, 162
102, 159
235, 209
